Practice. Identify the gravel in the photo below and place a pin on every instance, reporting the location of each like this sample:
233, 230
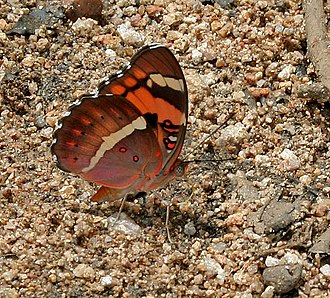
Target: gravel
253, 224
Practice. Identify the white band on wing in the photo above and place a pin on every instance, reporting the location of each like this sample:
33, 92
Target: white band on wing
113, 139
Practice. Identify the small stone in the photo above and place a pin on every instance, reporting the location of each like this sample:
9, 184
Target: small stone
3, 25
283, 278
286, 72
85, 8
305, 179
261, 159
325, 269
47, 132
214, 268
108, 281
124, 224
40, 121
210, 113
104, 39
110, 53
66, 191
51, 121
259, 92
8, 293
226, 30
83, 27
220, 63
272, 70
129, 35
84, 271
173, 35
198, 279
43, 44
233, 135
28, 61
291, 161
290, 258
234, 220
238, 95
9, 275
52, 278
322, 244
271, 261
268, 292
215, 25
153, 10
189, 229
196, 56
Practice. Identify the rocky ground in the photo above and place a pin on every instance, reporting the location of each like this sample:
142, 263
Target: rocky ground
255, 225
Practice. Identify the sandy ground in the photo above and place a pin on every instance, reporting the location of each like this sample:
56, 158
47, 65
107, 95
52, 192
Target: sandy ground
252, 226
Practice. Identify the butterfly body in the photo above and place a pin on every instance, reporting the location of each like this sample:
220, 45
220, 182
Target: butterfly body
127, 137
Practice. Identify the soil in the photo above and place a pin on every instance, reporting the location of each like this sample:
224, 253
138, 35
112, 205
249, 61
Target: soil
252, 222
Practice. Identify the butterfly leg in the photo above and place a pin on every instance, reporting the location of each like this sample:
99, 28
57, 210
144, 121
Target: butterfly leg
120, 208
167, 220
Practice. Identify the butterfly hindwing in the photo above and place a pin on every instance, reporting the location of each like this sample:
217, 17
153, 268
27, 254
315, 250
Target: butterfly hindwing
98, 140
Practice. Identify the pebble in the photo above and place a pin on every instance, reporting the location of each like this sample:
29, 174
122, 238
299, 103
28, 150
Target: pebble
271, 261
9, 293
84, 271
268, 292
325, 269
129, 35
286, 72
261, 159
214, 268
196, 56
66, 191
291, 161
47, 132
283, 278
124, 224
28, 61
232, 134
189, 229
107, 281
84, 27
290, 258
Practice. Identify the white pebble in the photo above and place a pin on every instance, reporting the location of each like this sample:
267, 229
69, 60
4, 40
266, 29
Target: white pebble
291, 161
291, 258
83, 27
268, 292
286, 72
106, 280
325, 269
196, 56
271, 261
129, 35
66, 191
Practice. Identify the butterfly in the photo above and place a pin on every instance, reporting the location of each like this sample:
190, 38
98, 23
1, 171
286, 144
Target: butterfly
127, 136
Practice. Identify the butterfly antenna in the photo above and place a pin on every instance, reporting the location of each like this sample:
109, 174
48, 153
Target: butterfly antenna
208, 137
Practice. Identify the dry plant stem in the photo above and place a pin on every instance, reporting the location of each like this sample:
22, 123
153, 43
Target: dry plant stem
318, 45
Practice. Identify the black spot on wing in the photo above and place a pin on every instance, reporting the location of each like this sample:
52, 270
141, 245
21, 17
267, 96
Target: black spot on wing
152, 119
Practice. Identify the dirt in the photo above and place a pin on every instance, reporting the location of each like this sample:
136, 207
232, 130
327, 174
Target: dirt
252, 222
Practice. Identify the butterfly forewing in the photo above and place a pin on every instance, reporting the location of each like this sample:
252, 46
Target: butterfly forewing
154, 82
